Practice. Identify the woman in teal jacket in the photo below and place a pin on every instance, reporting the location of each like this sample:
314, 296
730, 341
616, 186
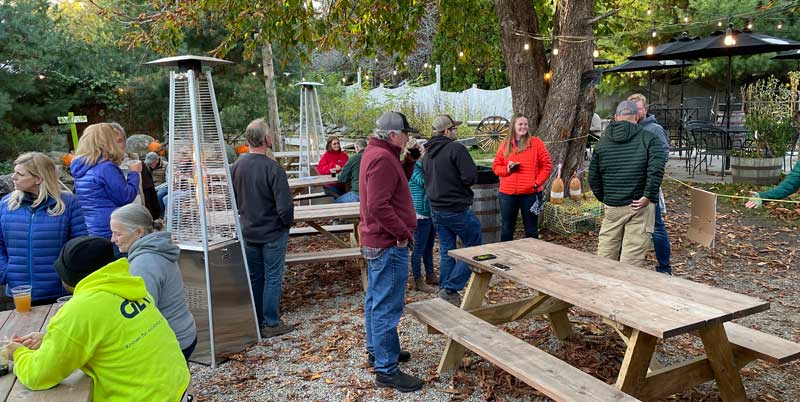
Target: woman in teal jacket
424, 234
788, 186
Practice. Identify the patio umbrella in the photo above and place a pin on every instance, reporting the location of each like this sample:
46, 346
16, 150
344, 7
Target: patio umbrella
674, 43
649, 66
721, 44
789, 55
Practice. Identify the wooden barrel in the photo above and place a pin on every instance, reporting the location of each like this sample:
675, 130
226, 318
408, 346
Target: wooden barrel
764, 171
487, 208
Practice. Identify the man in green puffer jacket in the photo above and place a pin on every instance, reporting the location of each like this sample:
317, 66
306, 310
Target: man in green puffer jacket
110, 329
625, 174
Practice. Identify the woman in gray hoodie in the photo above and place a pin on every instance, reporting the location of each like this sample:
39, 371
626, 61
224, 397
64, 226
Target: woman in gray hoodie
152, 256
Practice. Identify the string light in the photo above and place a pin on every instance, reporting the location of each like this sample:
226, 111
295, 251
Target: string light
454, 68
555, 51
780, 25
596, 53
649, 12
344, 79
425, 65
548, 75
461, 54
394, 72
40, 76
719, 23
650, 49
686, 19
653, 33
527, 46
729, 39
749, 25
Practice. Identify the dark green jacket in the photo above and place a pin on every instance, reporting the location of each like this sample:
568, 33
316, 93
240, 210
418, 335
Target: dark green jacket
788, 186
628, 163
349, 172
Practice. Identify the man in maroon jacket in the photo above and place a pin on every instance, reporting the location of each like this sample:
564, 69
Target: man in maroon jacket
388, 220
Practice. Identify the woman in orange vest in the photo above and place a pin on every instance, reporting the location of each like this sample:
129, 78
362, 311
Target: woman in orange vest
523, 165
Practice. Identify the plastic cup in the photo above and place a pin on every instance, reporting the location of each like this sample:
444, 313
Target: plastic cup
22, 298
4, 358
63, 299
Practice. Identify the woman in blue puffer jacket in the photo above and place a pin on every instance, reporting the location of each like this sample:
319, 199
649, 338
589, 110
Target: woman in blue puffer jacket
99, 183
36, 219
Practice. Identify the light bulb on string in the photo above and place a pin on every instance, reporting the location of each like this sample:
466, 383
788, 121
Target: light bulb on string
653, 33
394, 72
719, 23
425, 65
527, 46
555, 51
749, 25
548, 75
454, 68
729, 39
780, 25
650, 49
344, 80
649, 12
686, 19
461, 54
596, 53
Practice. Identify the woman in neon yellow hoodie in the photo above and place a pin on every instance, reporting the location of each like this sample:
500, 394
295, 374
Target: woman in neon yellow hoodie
110, 329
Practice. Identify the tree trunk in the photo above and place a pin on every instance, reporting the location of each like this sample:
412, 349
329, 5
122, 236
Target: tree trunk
272, 97
526, 68
561, 113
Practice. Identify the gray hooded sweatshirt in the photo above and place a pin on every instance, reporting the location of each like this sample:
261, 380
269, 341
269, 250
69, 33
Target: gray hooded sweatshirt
155, 259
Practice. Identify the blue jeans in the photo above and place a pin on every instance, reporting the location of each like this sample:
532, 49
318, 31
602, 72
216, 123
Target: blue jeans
333, 190
510, 205
424, 236
347, 197
162, 196
266, 264
661, 243
383, 305
453, 276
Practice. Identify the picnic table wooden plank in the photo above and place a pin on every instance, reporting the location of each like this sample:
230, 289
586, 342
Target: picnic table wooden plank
20, 324
307, 213
625, 300
312, 181
734, 303
76, 387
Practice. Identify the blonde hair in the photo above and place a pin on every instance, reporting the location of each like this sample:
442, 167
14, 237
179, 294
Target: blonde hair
39, 165
639, 98
509, 140
100, 141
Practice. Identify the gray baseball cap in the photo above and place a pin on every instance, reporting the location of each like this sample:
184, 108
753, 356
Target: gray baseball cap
627, 108
443, 122
394, 121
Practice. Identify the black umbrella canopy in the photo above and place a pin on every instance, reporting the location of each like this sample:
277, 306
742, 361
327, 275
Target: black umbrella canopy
788, 55
671, 45
647, 65
746, 43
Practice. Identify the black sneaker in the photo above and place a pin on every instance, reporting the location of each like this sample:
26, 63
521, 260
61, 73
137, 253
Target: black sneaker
451, 296
402, 358
399, 381
277, 330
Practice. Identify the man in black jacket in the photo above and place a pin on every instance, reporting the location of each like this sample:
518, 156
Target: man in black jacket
449, 173
266, 213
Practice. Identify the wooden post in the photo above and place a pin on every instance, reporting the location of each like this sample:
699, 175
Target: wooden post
720, 356
633, 372
473, 298
71, 119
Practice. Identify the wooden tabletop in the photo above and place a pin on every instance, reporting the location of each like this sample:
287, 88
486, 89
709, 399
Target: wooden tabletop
77, 387
660, 305
311, 181
345, 210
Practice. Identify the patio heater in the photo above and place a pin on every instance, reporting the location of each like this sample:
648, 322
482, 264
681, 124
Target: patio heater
311, 131
202, 215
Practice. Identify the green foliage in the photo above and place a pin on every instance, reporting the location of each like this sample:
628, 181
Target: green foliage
13, 144
770, 110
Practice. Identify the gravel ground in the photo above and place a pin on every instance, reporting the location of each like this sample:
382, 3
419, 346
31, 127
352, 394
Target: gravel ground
324, 358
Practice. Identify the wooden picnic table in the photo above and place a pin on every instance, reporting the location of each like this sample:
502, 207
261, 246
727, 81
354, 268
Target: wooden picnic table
314, 215
295, 184
75, 388
643, 306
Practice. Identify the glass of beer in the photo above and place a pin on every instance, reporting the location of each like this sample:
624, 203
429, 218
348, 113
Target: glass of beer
63, 299
22, 298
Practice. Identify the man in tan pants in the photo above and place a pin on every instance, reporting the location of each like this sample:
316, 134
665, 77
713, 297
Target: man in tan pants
625, 174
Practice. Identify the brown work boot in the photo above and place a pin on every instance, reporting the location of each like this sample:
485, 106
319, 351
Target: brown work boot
432, 279
420, 285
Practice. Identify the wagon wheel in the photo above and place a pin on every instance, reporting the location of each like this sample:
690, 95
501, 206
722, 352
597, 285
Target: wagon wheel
491, 130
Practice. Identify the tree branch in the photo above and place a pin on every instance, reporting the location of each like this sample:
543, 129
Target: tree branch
591, 21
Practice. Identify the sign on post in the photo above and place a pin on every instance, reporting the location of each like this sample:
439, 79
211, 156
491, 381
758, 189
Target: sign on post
71, 119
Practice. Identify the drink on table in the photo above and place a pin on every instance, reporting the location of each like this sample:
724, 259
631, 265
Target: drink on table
22, 298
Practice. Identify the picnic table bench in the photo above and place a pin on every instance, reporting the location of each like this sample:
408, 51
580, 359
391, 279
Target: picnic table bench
75, 388
643, 306
312, 215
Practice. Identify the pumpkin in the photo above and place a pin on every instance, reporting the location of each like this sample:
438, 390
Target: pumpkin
67, 159
242, 149
154, 146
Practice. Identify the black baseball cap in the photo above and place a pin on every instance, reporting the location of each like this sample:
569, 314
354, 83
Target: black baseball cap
394, 121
